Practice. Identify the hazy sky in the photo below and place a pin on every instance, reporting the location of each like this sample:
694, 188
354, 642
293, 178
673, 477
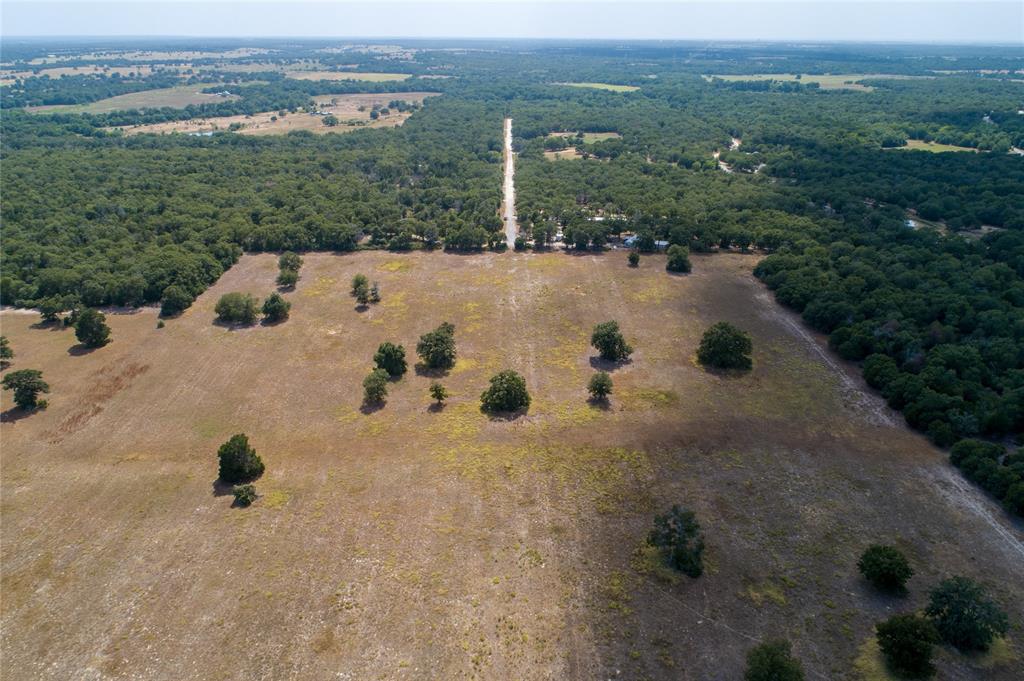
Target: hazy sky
998, 21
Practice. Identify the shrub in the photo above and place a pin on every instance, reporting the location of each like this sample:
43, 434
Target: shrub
608, 341
91, 328
507, 393
244, 495
375, 386
276, 308
600, 386
6, 354
437, 348
725, 347
238, 461
238, 308
677, 533
287, 278
289, 261
964, 615
885, 567
175, 300
359, 281
634, 259
26, 385
160, 324
390, 358
773, 661
520, 243
906, 643
678, 259
438, 392
363, 295
375, 293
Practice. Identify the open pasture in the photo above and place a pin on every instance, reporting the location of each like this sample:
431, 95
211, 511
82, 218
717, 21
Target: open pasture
345, 107
611, 87
830, 81
347, 75
935, 147
415, 542
175, 97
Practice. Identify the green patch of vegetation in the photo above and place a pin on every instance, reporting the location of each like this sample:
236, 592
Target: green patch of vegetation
611, 87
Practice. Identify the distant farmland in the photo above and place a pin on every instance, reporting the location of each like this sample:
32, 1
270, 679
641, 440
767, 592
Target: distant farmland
175, 97
841, 81
347, 75
604, 86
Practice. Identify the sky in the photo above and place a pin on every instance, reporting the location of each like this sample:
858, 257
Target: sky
926, 21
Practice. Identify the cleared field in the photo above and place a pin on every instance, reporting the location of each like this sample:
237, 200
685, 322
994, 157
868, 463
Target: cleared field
345, 107
569, 154
840, 81
588, 137
156, 55
175, 97
603, 86
937, 147
347, 75
418, 543
7, 77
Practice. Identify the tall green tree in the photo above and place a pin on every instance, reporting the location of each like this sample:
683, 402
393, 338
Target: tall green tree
91, 328
26, 384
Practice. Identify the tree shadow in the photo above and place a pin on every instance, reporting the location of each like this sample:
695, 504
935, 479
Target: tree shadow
82, 349
232, 326
221, 488
422, 369
507, 416
285, 288
608, 365
600, 403
362, 307
368, 408
16, 414
728, 374
436, 407
273, 322
50, 325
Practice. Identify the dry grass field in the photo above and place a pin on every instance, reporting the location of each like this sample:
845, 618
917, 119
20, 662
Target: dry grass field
611, 87
935, 147
832, 81
8, 77
347, 75
344, 107
588, 137
175, 97
415, 543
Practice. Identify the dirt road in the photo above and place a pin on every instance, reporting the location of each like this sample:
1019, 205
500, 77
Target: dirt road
508, 211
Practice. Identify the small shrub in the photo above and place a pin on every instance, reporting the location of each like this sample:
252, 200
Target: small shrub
289, 261
773, 661
437, 348
725, 347
359, 281
236, 308
276, 308
678, 259
964, 615
885, 567
160, 324
608, 341
244, 495
438, 392
91, 328
6, 353
600, 386
375, 293
390, 358
375, 387
507, 393
520, 243
634, 259
906, 642
287, 278
238, 461
677, 533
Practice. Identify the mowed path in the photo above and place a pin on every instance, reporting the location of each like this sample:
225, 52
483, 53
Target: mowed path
418, 543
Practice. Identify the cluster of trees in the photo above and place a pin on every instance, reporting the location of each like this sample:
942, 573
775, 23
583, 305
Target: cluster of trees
436, 350
239, 465
79, 89
363, 291
288, 266
678, 536
999, 473
242, 308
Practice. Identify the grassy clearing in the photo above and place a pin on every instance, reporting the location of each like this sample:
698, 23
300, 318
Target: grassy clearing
570, 154
611, 87
348, 75
935, 147
839, 81
588, 137
421, 537
174, 97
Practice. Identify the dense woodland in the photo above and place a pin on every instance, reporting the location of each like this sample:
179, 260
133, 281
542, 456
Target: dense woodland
818, 183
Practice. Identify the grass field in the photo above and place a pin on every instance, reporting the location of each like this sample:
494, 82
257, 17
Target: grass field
411, 543
570, 154
8, 77
588, 137
347, 75
841, 81
345, 107
603, 86
175, 97
921, 145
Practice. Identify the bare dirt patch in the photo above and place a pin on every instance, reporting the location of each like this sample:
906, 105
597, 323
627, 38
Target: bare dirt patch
424, 543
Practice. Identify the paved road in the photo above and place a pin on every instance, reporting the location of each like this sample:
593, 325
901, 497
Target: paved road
509, 208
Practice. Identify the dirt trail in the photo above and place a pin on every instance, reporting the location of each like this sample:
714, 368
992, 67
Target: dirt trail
509, 202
